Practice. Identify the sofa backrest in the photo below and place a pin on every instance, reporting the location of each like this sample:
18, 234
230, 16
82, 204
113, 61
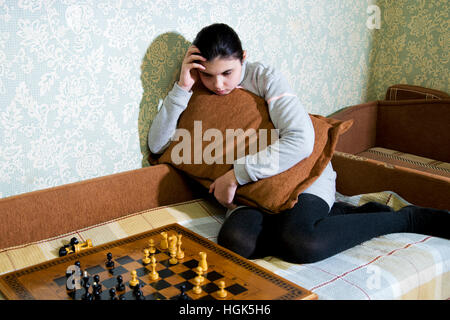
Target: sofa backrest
55, 211
408, 92
420, 127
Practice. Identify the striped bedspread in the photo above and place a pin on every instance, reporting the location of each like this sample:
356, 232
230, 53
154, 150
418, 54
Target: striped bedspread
395, 266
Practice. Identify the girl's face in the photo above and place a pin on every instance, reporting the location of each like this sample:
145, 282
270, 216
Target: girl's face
221, 75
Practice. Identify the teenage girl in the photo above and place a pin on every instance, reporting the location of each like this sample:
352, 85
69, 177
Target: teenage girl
316, 227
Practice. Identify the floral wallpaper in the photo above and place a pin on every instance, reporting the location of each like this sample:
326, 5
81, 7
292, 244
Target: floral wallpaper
413, 46
81, 80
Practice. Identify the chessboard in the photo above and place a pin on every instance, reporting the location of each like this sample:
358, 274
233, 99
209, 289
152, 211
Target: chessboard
125, 270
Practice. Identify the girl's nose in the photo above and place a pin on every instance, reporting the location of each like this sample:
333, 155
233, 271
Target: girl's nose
218, 83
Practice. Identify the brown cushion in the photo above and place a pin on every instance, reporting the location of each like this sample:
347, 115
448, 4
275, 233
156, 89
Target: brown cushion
242, 109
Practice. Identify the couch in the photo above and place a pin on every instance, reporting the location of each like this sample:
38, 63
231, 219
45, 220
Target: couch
395, 266
401, 143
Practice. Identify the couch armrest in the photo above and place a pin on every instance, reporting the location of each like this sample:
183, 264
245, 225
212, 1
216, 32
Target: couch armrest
47, 213
362, 134
419, 127
358, 175
408, 92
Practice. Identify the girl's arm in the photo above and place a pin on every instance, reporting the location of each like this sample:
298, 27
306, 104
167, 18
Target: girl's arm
165, 122
296, 132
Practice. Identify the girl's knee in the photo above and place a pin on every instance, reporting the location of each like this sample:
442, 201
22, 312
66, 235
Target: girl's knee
303, 247
240, 232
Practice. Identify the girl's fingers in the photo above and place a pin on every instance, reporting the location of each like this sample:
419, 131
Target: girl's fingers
197, 66
195, 57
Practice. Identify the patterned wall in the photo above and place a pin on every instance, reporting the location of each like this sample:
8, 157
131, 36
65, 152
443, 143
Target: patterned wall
80, 80
413, 46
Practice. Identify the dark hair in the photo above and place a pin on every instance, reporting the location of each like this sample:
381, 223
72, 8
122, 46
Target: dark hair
219, 40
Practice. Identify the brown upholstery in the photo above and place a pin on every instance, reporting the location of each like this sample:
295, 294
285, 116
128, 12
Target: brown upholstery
407, 92
418, 127
47, 213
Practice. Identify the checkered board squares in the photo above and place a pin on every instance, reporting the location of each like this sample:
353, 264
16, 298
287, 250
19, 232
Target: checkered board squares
167, 287
243, 279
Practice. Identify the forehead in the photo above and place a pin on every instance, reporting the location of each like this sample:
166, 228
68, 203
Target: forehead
220, 65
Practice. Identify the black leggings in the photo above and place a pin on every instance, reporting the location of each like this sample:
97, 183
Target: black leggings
310, 231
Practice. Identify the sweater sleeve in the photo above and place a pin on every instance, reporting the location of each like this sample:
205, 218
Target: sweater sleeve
165, 122
295, 129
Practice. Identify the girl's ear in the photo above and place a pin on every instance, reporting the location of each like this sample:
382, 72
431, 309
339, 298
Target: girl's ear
244, 55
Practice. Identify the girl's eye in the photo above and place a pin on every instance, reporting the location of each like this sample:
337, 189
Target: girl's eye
227, 73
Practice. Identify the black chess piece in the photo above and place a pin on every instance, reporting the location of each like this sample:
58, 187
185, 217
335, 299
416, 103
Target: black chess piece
120, 286
109, 263
112, 294
85, 279
138, 292
87, 296
183, 295
97, 286
97, 292
63, 251
97, 280
73, 242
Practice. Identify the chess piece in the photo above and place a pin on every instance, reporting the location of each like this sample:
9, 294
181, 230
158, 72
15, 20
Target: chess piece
173, 256
151, 246
203, 262
146, 260
199, 272
109, 263
197, 289
183, 295
87, 295
96, 290
96, 286
138, 292
85, 279
120, 286
112, 294
164, 244
172, 242
83, 246
180, 253
221, 293
134, 280
154, 275
97, 279
68, 248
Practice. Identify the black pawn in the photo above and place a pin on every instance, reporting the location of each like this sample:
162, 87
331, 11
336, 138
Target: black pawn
138, 293
109, 262
87, 296
97, 287
183, 295
112, 294
97, 281
120, 286
97, 293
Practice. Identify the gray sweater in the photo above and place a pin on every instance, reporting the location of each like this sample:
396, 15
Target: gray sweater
296, 132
